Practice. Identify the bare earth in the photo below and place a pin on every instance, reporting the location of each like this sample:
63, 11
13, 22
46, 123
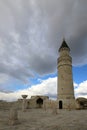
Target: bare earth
39, 119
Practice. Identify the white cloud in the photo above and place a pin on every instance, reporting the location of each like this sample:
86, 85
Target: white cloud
81, 90
46, 87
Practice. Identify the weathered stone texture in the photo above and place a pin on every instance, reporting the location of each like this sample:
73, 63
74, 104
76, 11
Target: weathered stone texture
13, 117
65, 87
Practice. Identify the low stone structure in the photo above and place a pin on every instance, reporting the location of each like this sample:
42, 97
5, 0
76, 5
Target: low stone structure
41, 102
33, 102
36, 101
82, 103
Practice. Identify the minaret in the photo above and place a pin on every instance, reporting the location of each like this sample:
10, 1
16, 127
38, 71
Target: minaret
65, 79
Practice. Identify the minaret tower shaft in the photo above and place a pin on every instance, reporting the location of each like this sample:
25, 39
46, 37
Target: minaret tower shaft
65, 78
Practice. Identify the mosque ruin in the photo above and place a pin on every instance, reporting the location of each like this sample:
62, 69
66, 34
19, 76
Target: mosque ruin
65, 88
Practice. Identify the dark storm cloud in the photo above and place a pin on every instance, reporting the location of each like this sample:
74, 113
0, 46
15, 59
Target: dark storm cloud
31, 32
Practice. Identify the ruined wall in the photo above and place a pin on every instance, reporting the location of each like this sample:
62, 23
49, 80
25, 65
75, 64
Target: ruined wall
50, 104
7, 105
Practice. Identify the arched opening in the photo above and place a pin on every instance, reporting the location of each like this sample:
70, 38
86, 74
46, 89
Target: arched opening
60, 105
39, 102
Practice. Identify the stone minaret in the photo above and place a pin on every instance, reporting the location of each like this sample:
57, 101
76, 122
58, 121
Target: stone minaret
65, 79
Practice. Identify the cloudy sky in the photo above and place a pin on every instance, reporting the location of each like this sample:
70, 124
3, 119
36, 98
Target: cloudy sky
31, 31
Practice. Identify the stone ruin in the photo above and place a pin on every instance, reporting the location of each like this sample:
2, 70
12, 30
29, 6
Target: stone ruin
65, 94
13, 117
39, 101
82, 102
33, 102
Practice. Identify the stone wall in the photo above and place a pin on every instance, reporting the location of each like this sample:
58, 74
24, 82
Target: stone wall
50, 104
33, 102
7, 105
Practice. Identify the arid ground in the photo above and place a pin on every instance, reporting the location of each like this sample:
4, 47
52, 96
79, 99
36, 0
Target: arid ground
39, 119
